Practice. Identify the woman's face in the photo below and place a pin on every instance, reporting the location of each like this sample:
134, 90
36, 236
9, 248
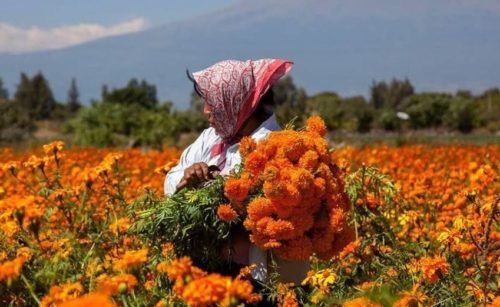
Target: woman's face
208, 113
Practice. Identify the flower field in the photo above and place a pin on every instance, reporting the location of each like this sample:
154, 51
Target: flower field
424, 220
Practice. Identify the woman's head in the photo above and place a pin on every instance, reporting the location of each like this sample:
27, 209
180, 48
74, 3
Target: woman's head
233, 89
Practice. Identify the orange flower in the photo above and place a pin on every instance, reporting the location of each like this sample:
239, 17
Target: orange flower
53, 147
226, 213
360, 302
255, 163
237, 189
92, 299
59, 294
115, 284
433, 268
131, 259
11, 269
316, 125
246, 146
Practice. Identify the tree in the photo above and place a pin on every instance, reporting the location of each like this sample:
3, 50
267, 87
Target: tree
427, 110
142, 94
73, 94
390, 95
328, 106
4, 94
43, 98
35, 96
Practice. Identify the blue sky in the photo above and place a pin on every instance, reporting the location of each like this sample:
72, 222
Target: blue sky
36, 25
50, 13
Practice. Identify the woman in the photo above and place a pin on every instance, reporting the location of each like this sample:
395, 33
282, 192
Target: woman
235, 94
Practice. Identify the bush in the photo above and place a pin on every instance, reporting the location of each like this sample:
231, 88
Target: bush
388, 120
113, 124
15, 123
427, 110
461, 115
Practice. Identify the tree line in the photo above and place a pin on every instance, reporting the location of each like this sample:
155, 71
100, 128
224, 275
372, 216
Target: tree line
132, 115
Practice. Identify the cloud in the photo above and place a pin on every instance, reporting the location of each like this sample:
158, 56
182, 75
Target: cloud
20, 40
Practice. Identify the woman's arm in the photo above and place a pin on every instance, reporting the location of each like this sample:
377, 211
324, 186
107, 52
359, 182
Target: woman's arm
191, 167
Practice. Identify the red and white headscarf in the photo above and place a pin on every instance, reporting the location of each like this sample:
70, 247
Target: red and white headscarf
232, 89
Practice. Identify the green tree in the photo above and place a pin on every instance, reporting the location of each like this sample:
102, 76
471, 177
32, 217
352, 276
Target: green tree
143, 94
73, 103
462, 114
390, 95
4, 93
35, 96
427, 110
329, 106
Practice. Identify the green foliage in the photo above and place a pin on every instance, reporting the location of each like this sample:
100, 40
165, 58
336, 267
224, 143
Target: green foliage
427, 110
114, 124
4, 93
461, 115
135, 93
329, 106
73, 103
188, 219
15, 123
390, 95
35, 96
388, 120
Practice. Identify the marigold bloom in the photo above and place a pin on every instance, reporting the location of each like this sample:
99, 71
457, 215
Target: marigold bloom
11, 269
112, 285
246, 146
53, 148
226, 213
433, 268
360, 302
316, 124
237, 189
131, 259
59, 294
92, 299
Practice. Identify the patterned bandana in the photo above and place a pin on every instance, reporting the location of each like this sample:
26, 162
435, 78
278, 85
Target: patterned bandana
232, 89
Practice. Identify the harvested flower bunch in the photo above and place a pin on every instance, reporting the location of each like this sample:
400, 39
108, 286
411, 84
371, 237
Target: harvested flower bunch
294, 197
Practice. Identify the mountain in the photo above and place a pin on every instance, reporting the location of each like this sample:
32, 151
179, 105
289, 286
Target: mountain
340, 45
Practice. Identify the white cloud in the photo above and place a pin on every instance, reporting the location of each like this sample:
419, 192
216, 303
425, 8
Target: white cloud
19, 40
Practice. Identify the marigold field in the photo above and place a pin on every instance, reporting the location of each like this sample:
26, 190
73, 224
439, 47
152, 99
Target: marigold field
425, 219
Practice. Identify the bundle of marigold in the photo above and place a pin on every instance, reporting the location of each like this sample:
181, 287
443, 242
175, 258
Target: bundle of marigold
294, 195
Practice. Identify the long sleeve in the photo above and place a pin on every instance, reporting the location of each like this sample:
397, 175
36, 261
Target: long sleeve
192, 154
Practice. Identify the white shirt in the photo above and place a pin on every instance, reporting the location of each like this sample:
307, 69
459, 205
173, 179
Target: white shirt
200, 151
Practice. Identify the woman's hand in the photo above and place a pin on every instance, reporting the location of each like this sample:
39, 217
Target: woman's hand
196, 174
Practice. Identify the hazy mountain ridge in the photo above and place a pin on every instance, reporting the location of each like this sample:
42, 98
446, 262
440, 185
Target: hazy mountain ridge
337, 45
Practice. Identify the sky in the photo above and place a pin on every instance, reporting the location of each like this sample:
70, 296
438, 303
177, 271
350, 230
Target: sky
32, 25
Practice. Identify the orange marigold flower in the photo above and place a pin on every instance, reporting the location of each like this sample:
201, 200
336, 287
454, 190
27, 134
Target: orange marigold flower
92, 299
120, 226
131, 259
316, 125
360, 302
115, 284
59, 294
226, 213
53, 148
309, 160
255, 163
237, 189
247, 145
433, 268
259, 207
11, 269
